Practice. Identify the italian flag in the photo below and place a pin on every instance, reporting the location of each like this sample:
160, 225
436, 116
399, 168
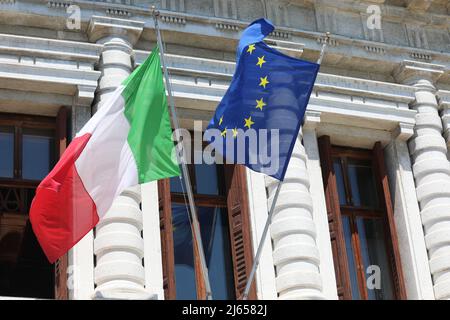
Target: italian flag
127, 142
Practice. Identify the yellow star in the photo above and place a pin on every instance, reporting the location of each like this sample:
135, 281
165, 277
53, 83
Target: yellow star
263, 82
260, 104
251, 48
260, 61
220, 120
235, 132
248, 122
224, 132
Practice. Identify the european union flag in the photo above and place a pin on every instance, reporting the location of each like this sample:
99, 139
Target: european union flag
261, 113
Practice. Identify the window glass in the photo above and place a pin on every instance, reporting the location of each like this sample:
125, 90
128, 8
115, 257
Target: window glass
206, 179
351, 258
339, 181
362, 184
175, 184
6, 152
216, 244
38, 150
183, 253
373, 250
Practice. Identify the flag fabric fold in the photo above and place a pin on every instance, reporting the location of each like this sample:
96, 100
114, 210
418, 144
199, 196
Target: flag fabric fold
268, 96
127, 142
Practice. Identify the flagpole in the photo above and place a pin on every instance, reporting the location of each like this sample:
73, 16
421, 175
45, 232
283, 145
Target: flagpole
184, 169
272, 207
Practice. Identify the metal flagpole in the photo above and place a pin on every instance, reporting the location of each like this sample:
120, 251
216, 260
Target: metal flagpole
272, 207
184, 169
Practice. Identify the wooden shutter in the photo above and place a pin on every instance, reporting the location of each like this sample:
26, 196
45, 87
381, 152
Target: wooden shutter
334, 220
383, 190
61, 290
165, 224
238, 217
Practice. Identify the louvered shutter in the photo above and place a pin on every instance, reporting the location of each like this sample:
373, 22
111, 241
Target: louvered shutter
165, 223
238, 217
334, 220
394, 253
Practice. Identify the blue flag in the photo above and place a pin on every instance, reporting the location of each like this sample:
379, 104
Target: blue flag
259, 117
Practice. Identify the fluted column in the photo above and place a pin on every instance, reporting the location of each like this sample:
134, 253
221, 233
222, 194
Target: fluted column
118, 244
431, 170
295, 252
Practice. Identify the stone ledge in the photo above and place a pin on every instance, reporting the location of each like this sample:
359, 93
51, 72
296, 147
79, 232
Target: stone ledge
49, 48
101, 27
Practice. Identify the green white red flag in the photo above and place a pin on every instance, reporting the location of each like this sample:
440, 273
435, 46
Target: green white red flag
127, 142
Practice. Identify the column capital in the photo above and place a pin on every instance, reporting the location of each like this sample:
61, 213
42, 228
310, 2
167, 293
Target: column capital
103, 27
312, 119
411, 72
84, 95
404, 131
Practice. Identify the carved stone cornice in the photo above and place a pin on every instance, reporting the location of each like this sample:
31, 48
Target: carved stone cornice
410, 72
102, 27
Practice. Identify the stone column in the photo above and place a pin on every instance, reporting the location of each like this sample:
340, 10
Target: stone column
444, 105
431, 170
118, 244
295, 251
320, 215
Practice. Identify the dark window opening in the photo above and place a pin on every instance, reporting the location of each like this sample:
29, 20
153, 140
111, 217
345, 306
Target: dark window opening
29, 148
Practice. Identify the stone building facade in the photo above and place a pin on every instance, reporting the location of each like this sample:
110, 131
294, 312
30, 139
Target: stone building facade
365, 208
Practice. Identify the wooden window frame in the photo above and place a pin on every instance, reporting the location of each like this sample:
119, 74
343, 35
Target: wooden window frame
59, 125
235, 199
335, 212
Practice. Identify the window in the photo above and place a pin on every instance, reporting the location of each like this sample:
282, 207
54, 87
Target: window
221, 202
362, 230
29, 147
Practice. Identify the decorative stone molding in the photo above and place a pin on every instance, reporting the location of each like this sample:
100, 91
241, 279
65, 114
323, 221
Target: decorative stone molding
280, 34
332, 42
409, 72
421, 56
118, 12
227, 26
58, 4
375, 49
173, 19
102, 27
